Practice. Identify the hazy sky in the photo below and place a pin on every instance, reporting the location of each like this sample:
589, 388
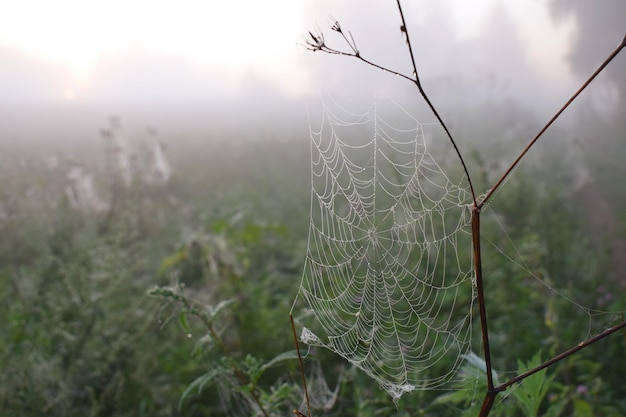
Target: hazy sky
85, 49
75, 45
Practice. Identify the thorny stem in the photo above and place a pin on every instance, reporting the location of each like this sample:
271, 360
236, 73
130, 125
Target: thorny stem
547, 125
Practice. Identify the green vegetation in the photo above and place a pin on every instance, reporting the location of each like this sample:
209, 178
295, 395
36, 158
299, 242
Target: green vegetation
174, 301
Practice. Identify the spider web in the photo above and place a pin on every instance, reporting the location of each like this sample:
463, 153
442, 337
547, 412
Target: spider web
388, 279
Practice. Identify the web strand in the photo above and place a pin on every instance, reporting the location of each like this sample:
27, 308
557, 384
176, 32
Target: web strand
384, 277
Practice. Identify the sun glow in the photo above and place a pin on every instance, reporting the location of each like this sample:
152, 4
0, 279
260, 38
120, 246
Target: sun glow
226, 40
234, 36
68, 94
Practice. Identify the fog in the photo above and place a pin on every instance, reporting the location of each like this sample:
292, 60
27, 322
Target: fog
498, 54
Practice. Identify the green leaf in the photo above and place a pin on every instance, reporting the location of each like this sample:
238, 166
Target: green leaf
214, 311
182, 320
219, 226
171, 261
285, 356
201, 345
530, 393
582, 408
199, 384
255, 371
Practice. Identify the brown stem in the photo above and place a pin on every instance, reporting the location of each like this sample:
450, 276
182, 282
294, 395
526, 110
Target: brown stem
317, 43
481, 294
492, 392
490, 396
306, 391
562, 355
418, 84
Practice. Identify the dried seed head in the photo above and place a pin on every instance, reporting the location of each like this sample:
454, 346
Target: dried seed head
316, 43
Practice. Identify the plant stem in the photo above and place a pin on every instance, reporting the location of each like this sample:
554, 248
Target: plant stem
306, 391
418, 84
243, 380
606, 62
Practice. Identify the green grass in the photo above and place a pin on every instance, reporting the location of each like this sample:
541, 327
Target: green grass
81, 337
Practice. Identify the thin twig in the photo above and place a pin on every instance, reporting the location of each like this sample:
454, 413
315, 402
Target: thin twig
547, 125
492, 391
318, 43
418, 84
490, 396
562, 355
306, 391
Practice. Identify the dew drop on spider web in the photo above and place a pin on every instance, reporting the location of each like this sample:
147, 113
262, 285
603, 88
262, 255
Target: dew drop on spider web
386, 274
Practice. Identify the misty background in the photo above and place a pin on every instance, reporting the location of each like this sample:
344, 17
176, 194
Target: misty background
252, 73
207, 74
207, 81
212, 82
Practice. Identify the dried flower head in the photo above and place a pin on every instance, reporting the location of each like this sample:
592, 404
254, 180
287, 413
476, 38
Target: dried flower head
316, 42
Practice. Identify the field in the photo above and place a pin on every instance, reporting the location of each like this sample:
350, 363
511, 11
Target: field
171, 296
